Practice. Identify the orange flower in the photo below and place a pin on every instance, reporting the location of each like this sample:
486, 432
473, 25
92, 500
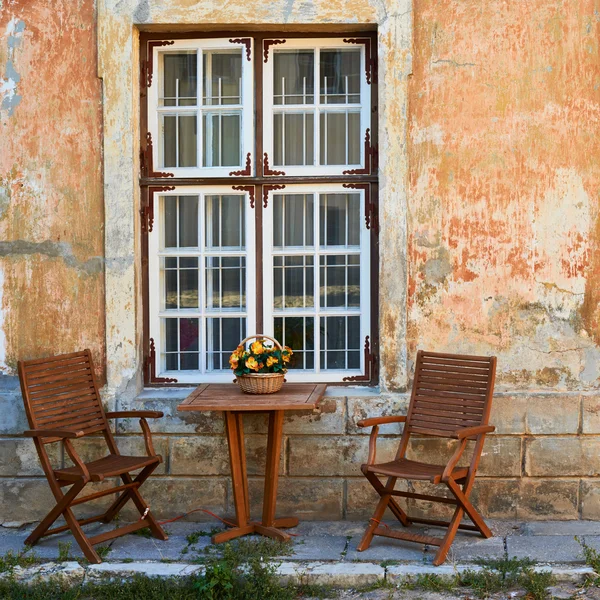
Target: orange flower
234, 360
257, 347
252, 364
261, 365
285, 358
288, 350
271, 361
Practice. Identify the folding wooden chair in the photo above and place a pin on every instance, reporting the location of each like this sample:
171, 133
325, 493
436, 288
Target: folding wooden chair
62, 403
451, 398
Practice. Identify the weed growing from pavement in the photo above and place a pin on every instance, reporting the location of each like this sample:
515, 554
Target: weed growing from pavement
24, 558
64, 551
592, 559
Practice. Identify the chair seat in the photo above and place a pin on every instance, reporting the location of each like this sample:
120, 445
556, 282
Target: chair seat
411, 469
108, 466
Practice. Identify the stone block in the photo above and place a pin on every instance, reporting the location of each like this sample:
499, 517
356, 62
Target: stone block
501, 455
590, 500
591, 414
361, 499
14, 420
369, 406
562, 456
541, 499
19, 458
199, 455
170, 497
318, 499
496, 498
334, 456
509, 413
553, 413
134, 445
25, 499
339, 575
545, 548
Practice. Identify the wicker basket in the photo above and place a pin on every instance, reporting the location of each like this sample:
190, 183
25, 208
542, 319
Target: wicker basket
260, 383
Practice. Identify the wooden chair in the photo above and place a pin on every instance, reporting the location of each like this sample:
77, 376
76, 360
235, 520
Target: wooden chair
62, 403
451, 398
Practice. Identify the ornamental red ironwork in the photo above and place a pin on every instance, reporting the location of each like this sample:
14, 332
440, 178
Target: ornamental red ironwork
247, 171
247, 42
246, 188
267, 45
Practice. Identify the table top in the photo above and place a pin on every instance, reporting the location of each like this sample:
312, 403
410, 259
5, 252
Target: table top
229, 397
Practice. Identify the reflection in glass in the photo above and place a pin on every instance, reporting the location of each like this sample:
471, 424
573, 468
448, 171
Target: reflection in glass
222, 81
179, 79
226, 283
293, 77
293, 220
340, 281
293, 278
222, 338
221, 134
181, 221
339, 219
340, 138
179, 141
299, 334
340, 342
340, 76
225, 221
293, 139
181, 344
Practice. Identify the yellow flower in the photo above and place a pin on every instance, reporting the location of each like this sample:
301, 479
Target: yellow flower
288, 350
285, 358
233, 361
271, 361
257, 347
252, 364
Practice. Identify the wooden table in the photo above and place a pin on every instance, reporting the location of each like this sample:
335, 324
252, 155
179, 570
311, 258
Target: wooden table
228, 398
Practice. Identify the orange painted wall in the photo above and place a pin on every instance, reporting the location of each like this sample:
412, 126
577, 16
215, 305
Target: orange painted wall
504, 219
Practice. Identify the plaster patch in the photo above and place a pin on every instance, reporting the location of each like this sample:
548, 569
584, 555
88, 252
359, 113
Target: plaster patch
4, 201
433, 134
9, 97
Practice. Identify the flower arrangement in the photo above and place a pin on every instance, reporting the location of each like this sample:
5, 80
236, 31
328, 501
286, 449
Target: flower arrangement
260, 358
260, 369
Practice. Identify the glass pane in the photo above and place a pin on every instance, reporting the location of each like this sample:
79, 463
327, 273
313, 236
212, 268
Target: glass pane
181, 344
340, 281
340, 342
222, 146
293, 77
179, 141
179, 79
225, 221
340, 219
222, 77
293, 281
340, 138
170, 204
299, 334
188, 221
340, 76
188, 335
171, 288
226, 283
293, 138
293, 220
188, 284
222, 338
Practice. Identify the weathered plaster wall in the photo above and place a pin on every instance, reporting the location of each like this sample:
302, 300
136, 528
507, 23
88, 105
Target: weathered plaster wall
504, 211
51, 206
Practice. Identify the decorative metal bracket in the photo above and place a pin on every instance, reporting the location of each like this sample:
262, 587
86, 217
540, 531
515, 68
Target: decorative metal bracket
150, 368
269, 187
267, 45
247, 42
371, 216
370, 58
146, 161
370, 365
147, 209
370, 158
247, 171
147, 65
246, 188
267, 169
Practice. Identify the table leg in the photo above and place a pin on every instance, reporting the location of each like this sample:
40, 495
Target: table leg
242, 445
272, 470
235, 440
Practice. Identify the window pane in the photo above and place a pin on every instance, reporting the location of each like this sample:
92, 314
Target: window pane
293, 220
222, 78
179, 141
340, 339
293, 77
180, 79
222, 146
340, 281
225, 221
188, 221
188, 283
170, 204
226, 283
340, 76
340, 138
181, 344
340, 219
293, 138
293, 281
222, 338
299, 334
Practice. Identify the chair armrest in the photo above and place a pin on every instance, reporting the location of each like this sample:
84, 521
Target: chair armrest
132, 414
380, 421
466, 432
59, 433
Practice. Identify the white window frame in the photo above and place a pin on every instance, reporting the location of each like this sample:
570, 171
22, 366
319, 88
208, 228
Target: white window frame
364, 312
246, 108
156, 281
269, 109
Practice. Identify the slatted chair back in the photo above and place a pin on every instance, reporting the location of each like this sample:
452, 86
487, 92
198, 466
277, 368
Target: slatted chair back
450, 392
61, 393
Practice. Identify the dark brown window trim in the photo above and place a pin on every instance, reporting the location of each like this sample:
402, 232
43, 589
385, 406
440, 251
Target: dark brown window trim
149, 39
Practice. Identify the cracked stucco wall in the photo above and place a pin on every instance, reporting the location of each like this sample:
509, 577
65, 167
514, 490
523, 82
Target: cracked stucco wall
51, 204
504, 199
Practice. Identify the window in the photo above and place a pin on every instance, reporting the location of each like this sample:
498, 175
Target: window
259, 203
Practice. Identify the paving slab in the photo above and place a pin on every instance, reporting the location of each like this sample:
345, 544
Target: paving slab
327, 548
149, 569
134, 547
473, 548
341, 528
570, 528
384, 549
545, 548
172, 548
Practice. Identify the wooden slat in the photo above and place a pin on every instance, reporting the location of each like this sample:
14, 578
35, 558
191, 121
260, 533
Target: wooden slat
431, 368
73, 405
58, 364
109, 535
67, 527
453, 383
409, 537
428, 497
430, 360
451, 388
455, 395
58, 379
52, 359
62, 372
438, 523
428, 431
60, 421
452, 374
460, 403
453, 357
73, 392
101, 493
424, 411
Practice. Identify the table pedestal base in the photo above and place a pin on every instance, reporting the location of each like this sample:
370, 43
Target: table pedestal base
256, 527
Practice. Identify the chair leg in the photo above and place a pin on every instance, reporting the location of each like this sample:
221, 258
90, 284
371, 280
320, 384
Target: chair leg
392, 505
80, 537
440, 555
465, 503
62, 504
